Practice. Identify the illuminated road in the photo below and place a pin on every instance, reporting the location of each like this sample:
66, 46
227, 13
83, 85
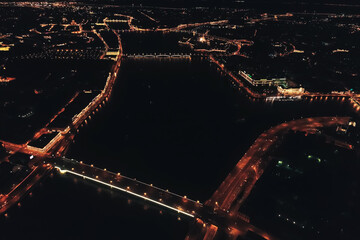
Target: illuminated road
354, 99
204, 217
104, 42
252, 164
237, 186
59, 144
221, 210
23, 187
190, 25
248, 90
61, 141
148, 192
24, 148
162, 55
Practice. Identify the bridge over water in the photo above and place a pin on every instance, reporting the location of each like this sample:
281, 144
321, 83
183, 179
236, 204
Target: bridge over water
116, 181
202, 214
162, 55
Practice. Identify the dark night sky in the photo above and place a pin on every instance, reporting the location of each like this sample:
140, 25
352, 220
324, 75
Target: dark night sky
192, 3
261, 4
225, 2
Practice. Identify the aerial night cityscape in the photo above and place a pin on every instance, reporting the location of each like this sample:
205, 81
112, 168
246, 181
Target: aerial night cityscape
180, 120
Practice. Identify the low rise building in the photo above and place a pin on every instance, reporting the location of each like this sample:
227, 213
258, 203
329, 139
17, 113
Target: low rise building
291, 91
264, 82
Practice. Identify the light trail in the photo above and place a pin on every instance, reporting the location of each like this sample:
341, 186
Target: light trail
125, 190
